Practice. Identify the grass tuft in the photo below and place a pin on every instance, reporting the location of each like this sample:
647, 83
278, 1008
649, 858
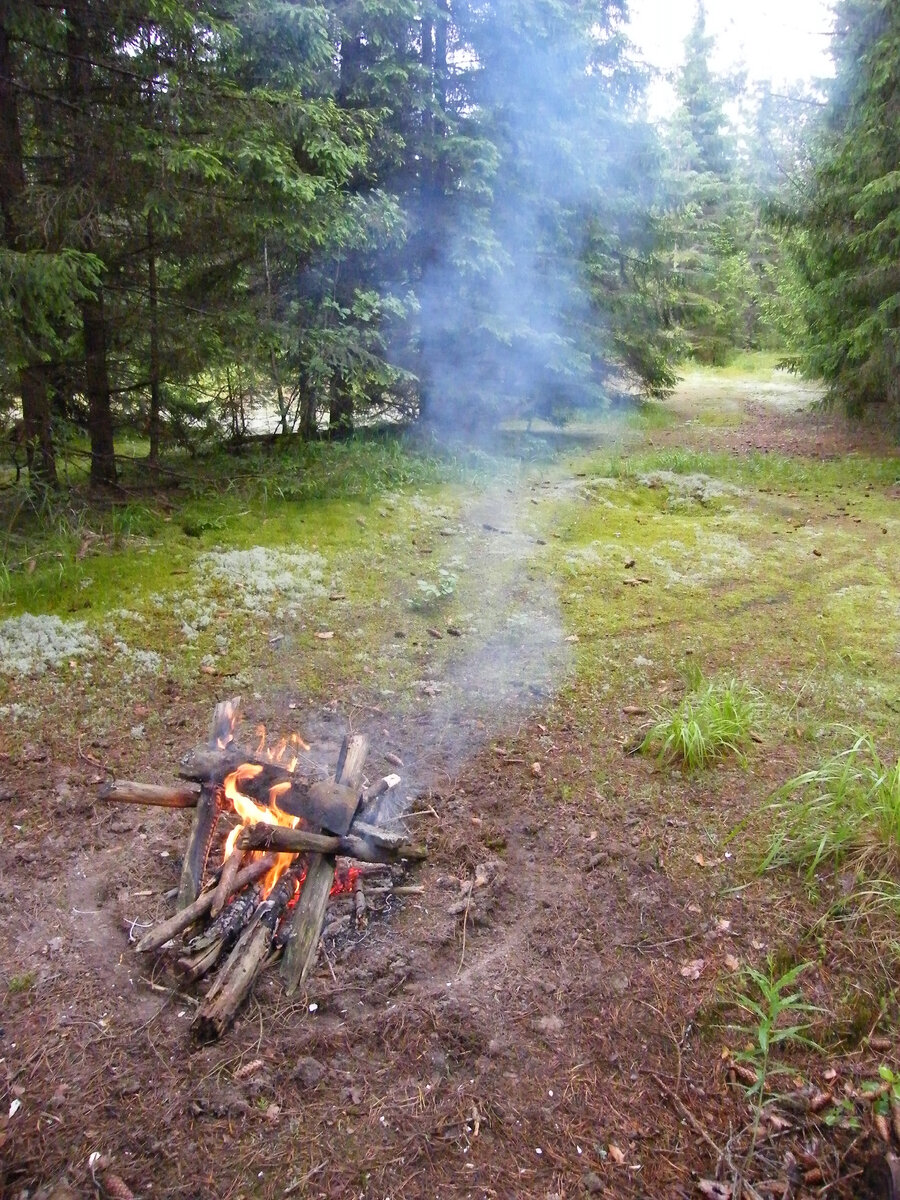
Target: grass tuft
845, 811
712, 720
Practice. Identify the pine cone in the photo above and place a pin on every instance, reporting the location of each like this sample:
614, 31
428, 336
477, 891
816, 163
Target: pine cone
116, 1188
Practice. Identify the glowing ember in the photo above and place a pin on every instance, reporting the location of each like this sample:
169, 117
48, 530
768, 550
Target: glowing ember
346, 881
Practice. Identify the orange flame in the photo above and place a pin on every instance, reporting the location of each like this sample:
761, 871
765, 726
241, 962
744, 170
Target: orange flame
250, 812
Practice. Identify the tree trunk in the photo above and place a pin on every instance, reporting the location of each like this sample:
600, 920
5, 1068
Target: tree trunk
41, 456
307, 409
32, 376
440, 57
340, 411
96, 374
93, 321
153, 422
273, 361
428, 64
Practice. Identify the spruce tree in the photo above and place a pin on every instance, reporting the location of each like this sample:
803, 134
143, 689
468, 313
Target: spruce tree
720, 252
847, 225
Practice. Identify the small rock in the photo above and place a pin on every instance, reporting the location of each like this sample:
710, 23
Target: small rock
551, 1024
220, 1102
308, 1072
60, 1191
592, 1183
619, 982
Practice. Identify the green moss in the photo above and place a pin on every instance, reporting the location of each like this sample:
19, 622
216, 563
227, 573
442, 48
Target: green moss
21, 983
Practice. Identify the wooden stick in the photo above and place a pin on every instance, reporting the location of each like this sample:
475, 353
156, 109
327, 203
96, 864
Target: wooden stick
206, 817
308, 918
165, 931
235, 981
359, 897
193, 967
261, 836
400, 890
225, 886
125, 791
209, 806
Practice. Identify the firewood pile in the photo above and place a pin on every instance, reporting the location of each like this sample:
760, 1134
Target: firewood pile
293, 844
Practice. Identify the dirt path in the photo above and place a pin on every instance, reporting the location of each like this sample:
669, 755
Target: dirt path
563, 1035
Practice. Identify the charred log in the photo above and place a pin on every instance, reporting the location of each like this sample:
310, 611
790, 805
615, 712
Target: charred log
235, 980
278, 837
230, 922
205, 950
186, 917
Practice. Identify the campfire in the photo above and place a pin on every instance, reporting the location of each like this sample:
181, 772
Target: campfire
295, 842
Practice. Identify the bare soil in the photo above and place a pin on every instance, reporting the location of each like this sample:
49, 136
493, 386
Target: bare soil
547, 1042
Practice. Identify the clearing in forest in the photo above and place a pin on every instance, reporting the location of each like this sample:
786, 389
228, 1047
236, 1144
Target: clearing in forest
640, 963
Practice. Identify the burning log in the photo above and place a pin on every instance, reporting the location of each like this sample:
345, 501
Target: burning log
246, 960
205, 765
125, 791
185, 917
294, 841
308, 917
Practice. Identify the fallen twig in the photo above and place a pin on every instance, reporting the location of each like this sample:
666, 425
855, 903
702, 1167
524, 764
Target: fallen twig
698, 1128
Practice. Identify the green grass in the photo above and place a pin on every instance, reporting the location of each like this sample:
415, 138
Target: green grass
753, 364
713, 720
72, 553
755, 469
650, 415
844, 811
773, 1006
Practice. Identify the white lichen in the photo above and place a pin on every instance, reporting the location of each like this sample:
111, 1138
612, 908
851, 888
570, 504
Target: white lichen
30, 645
